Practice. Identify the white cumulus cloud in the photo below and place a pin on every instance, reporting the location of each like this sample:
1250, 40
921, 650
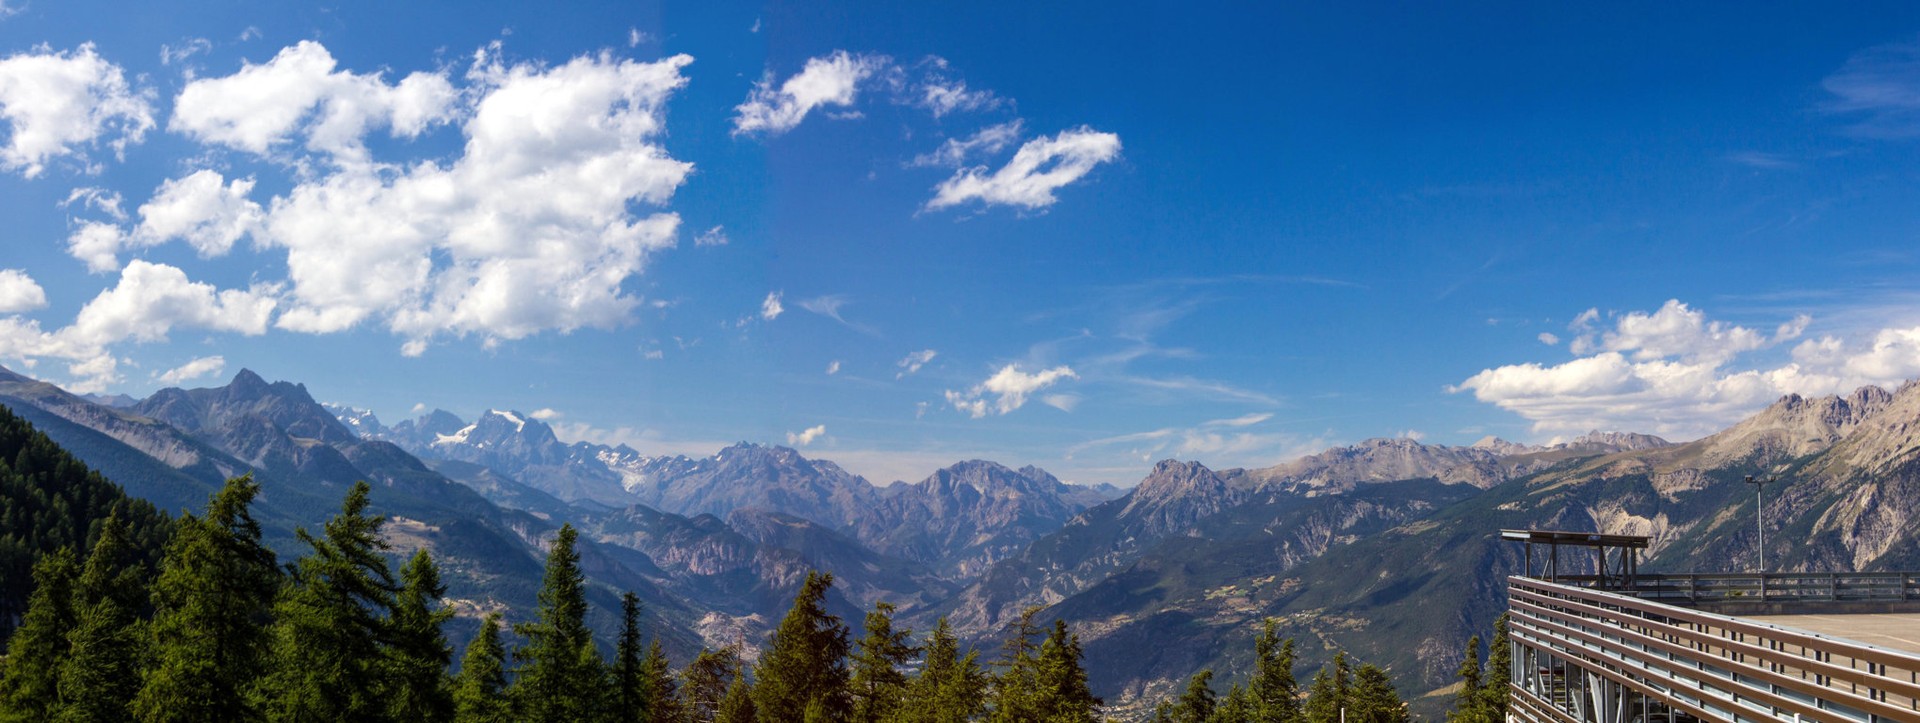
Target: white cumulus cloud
830, 80
197, 368
1040, 167
201, 208
19, 292
806, 437
1008, 389
57, 104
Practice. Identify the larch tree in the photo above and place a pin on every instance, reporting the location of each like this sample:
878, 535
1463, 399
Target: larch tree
950, 688
1493, 686
708, 678
631, 690
737, 707
1273, 695
30, 688
1065, 696
878, 685
101, 673
480, 691
1329, 691
1016, 696
1373, 699
1197, 703
665, 704
418, 652
805, 665
212, 602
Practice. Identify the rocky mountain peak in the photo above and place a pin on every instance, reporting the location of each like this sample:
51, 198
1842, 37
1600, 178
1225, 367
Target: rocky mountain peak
1796, 426
1608, 442
1503, 447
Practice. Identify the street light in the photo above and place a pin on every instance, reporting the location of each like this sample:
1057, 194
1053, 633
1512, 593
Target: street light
1759, 521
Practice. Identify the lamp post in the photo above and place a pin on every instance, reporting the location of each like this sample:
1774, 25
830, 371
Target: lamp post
1759, 517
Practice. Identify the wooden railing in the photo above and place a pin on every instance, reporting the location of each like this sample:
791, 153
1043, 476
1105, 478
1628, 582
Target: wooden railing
1712, 667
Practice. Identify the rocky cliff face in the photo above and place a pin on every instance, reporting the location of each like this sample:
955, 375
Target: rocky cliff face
968, 516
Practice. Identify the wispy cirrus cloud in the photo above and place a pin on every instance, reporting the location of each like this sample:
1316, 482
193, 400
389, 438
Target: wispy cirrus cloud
1880, 88
1029, 180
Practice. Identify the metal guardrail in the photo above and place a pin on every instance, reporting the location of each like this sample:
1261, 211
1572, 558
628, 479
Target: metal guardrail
1772, 587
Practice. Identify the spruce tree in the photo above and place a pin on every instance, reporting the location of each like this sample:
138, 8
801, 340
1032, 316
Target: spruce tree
30, 688
1016, 689
1493, 685
1197, 704
737, 707
666, 703
949, 688
878, 685
558, 680
1469, 705
1372, 698
1273, 696
480, 692
804, 667
1064, 694
331, 621
1236, 707
101, 674
1328, 694
631, 688
708, 678
418, 688
211, 607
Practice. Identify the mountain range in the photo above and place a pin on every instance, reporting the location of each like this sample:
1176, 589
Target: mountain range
1387, 549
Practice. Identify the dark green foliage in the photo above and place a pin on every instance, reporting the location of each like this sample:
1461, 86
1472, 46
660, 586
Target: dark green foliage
1483, 692
50, 500
1372, 698
1329, 691
560, 676
737, 707
30, 689
418, 652
1016, 690
1272, 694
1468, 704
211, 605
709, 677
804, 669
1064, 694
480, 692
1197, 704
329, 623
666, 704
1236, 707
631, 694
101, 673
949, 688
1499, 664
877, 683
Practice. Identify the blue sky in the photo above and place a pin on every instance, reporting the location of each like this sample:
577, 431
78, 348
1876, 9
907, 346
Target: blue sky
1077, 236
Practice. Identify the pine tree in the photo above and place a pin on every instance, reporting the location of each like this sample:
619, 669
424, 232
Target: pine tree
30, 688
417, 659
804, 667
330, 622
1064, 694
737, 707
1373, 699
1197, 703
1273, 696
1469, 706
1016, 690
480, 692
877, 683
949, 688
1236, 707
101, 674
211, 607
708, 679
631, 689
666, 703
558, 679
1499, 669
1328, 694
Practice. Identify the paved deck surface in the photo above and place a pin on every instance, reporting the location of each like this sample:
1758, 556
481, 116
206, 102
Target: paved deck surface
1899, 632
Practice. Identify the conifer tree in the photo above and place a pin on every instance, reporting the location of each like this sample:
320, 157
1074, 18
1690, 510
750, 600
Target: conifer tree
877, 683
330, 622
211, 606
417, 659
949, 688
101, 673
1016, 689
1328, 694
559, 679
737, 707
1065, 696
480, 693
1236, 707
1197, 703
1469, 705
804, 668
1273, 696
1372, 698
708, 678
1499, 668
666, 705
631, 688
30, 688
